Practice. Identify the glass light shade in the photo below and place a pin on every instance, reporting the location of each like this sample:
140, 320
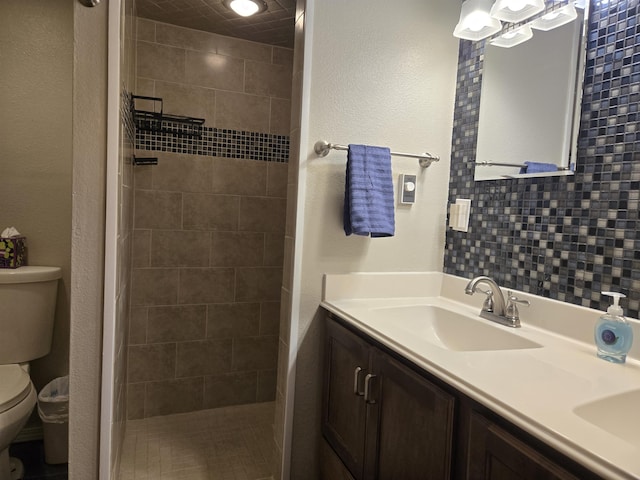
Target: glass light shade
515, 11
475, 21
513, 37
246, 8
555, 18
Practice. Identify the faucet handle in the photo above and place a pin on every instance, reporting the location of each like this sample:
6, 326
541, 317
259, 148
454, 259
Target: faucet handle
511, 311
487, 306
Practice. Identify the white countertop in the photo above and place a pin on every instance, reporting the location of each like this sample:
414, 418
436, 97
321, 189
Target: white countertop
537, 389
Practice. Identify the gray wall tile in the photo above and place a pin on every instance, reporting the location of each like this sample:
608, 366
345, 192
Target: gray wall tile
253, 353
230, 389
261, 214
214, 71
138, 326
174, 396
154, 286
206, 285
176, 248
269, 318
135, 401
268, 79
258, 284
239, 177
203, 357
211, 212
158, 209
233, 320
239, 111
274, 250
176, 324
152, 362
266, 386
235, 249
160, 62
277, 180
182, 173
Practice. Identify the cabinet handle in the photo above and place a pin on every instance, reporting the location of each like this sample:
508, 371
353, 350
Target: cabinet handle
367, 391
356, 382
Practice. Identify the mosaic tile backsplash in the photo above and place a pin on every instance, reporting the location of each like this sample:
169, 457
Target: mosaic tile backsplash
218, 142
567, 238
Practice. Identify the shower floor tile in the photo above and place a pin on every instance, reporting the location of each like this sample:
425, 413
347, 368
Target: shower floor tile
230, 443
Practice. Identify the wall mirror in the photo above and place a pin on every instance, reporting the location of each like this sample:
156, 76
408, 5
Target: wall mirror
530, 104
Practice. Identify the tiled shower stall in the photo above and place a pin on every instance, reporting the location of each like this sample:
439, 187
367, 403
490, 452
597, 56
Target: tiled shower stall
209, 223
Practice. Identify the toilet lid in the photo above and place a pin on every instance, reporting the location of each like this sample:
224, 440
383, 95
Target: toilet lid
14, 386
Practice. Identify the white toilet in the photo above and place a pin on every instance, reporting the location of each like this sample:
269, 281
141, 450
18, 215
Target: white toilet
27, 310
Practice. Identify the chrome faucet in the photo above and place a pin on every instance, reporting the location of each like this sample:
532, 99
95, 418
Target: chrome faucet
495, 308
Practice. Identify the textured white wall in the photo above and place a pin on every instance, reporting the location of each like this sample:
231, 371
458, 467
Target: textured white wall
87, 246
36, 61
382, 73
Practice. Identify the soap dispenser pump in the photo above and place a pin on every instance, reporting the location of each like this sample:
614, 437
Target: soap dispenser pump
613, 334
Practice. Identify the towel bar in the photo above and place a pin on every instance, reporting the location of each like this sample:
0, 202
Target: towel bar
425, 159
499, 164
485, 163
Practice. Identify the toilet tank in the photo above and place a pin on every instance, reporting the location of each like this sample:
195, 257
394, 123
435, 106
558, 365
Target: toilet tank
27, 310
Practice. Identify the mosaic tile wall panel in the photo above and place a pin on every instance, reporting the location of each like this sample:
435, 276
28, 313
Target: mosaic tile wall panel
218, 142
566, 238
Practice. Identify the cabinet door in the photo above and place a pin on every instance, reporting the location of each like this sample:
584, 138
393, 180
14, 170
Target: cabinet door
497, 455
410, 425
343, 409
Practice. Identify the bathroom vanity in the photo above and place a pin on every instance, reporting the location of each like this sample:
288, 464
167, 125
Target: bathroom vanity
416, 385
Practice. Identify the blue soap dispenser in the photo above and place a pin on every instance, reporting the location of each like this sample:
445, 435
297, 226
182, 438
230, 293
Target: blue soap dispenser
613, 334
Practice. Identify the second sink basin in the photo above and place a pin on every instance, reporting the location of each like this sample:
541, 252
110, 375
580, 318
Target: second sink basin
617, 414
449, 329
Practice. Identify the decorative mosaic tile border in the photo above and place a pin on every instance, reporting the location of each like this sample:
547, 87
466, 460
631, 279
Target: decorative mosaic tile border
216, 142
566, 238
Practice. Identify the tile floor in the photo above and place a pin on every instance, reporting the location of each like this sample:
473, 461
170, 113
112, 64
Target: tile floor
230, 443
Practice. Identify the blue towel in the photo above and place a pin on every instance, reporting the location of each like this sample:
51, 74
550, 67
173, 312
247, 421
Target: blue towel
538, 167
368, 193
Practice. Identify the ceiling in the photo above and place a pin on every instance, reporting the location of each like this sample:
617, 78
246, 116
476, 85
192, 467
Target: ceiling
275, 26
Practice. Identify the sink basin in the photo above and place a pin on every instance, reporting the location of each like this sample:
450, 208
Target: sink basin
448, 329
617, 415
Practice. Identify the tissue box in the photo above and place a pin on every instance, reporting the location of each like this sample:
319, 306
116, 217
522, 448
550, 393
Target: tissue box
13, 252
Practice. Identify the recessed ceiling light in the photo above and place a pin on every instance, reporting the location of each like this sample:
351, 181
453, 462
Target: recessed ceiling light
246, 8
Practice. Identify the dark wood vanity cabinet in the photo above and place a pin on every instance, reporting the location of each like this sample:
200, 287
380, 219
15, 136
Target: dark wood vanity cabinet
386, 419
496, 454
382, 419
409, 424
344, 411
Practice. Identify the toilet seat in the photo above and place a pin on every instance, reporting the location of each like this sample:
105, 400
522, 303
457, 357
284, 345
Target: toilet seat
15, 385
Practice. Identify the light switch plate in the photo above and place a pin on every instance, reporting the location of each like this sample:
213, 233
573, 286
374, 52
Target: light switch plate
407, 189
459, 214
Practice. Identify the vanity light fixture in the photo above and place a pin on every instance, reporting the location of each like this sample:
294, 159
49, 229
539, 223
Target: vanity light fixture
513, 37
515, 11
475, 21
246, 8
555, 18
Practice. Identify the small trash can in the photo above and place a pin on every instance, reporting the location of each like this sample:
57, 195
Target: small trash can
53, 409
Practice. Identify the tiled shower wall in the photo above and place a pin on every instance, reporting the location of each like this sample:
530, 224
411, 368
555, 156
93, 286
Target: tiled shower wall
565, 238
209, 231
